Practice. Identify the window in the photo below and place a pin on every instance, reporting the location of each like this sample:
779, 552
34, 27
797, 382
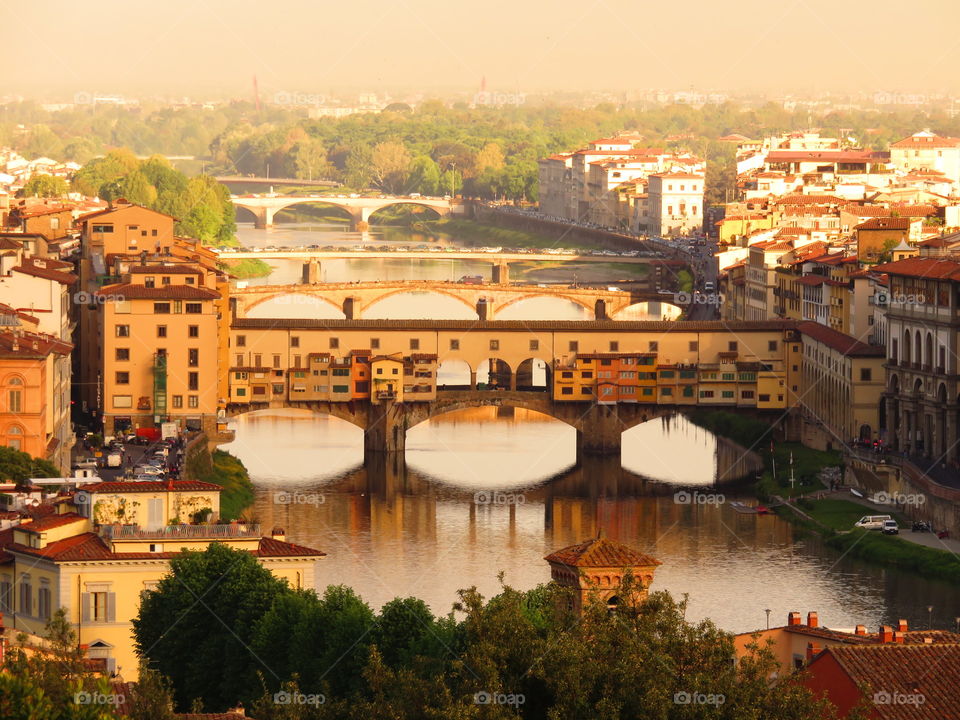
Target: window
666, 391
241, 340
178, 401
566, 391
294, 341
586, 391
165, 280
334, 343
747, 394
122, 330
14, 439
26, 595
694, 346
727, 394
534, 344
276, 361
193, 401
706, 393
14, 401
153, 232
688, 391
732, 346
102, 228
6, 596
121, 354
414, 343
161, 308
772, 345
654, 346
258, 360
161, 331
764, 397
193, 331
122, 378
614, 346
149, 281
194, 308
193, 381
98, 606
454, 344
374, 343
43, 603
123, 401
866, 375
574, 346
193, 357
494, 344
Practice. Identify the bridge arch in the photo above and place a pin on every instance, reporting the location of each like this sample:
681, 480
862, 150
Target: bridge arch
494, 374
294, 300
438, 213
534, 374
462, 301
642, 311
341, 210
586, 304
245, 214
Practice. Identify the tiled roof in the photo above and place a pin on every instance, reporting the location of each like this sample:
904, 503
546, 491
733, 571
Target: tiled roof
921, 267
885, 223
51, 521
931, 671
164, 292
159, 486
601, 552
271, 547
178, 269
28, 344
46, 269
844, 344
663, 326
928, 140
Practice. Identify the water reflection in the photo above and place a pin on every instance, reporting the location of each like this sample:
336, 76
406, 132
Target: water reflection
415, 529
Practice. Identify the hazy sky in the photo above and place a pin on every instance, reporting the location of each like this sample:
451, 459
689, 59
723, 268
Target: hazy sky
190, 46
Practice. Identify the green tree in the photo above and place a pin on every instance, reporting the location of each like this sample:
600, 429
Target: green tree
46, 186
18, 465
390, 167
136, 188
153, 696
311, 160
358, 167
424, 176
198, 626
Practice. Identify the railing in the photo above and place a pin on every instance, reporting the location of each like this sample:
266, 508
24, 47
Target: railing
386, 395
174, 532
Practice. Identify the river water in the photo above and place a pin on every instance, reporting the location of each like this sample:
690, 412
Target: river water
486, 491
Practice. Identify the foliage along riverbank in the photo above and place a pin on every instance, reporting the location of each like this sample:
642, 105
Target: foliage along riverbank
249, 268
223, 469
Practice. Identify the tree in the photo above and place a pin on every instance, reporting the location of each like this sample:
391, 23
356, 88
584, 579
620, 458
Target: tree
136, 188
198, 626
18, 465
358, 171
153, 697
46, 186
311, 160
390, 167
424, 176
490, 158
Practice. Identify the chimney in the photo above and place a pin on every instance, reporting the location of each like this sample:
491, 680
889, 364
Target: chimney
278, 534
898, 636
793, 618
812, 619
886, 634
860, 630
143, 257
813, 649
902, 625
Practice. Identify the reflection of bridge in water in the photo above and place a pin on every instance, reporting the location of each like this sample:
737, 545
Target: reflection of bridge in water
359, 209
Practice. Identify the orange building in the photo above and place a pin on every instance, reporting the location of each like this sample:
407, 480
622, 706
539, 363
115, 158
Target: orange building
360, 374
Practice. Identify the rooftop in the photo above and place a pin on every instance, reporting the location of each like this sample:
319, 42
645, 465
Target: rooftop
844, 344
601, 552
923, 267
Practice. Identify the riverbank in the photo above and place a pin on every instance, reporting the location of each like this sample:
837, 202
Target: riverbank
223, 469
249, 268
478, 234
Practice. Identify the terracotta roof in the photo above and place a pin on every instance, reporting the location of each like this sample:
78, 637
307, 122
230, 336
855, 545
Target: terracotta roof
923, 139
922, 267
931, 671
844, 344
159, 486
885, 223
51, 521
840, 156
601, 552
28, 344
178, 269
49, 270
271, 547
8, 243
131, 291
809, 200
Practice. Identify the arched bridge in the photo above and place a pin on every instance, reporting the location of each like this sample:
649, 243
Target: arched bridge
354, 299
360, 208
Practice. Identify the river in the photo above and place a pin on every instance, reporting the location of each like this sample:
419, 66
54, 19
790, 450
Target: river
485, 491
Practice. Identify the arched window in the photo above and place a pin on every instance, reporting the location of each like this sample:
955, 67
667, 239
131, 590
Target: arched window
14, 394
15, 437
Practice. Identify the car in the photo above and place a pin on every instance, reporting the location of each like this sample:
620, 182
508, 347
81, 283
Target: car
872, 522
890, 527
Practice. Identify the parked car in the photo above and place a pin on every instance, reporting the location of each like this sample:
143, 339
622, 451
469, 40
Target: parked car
890, 527
872, 522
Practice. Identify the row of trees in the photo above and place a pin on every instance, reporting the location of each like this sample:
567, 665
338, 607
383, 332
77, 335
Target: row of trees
201, 205
486, 152
293, 654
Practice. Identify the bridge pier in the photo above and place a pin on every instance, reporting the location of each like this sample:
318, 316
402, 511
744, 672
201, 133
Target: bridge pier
484, 309
360, 220
264, 218
351, 308
386, 432
311, 272
600, 310
501, 274
599, 432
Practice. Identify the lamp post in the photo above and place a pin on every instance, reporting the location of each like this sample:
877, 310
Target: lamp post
453, 180
767, 611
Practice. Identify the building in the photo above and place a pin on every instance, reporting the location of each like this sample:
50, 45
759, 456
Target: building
674, 205
594, 572
877, 237
925, 150
98, 569
923, 318
842, 387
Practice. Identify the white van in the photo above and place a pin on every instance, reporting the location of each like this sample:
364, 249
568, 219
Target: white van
872, 522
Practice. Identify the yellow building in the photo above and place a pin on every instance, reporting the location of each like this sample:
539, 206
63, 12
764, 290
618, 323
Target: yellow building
96, 564
387, 374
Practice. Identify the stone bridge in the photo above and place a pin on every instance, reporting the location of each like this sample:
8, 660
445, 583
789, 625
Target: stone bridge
360, 209
487, 300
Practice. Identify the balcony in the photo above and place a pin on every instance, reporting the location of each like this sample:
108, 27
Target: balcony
177, 532
386, 395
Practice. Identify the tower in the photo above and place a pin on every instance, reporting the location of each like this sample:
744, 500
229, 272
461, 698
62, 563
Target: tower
595, 569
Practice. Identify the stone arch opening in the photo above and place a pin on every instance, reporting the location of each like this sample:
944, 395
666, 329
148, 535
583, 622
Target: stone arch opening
533, 375
294, 305
379, 217
244, 214
412, 304
332, 212
454, 374
544, 306
648, 310
494, 374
